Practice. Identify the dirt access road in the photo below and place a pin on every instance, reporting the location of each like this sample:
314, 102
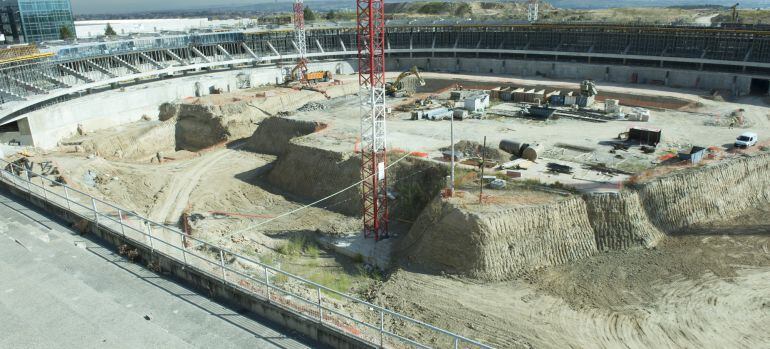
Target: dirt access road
186, 177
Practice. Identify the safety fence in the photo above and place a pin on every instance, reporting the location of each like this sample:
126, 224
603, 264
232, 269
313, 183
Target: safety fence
307, 299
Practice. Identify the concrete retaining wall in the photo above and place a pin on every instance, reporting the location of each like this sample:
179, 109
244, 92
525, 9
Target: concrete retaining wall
48, 126
738, 84
216, 289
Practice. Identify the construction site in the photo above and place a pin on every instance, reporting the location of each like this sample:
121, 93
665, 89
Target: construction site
513, 200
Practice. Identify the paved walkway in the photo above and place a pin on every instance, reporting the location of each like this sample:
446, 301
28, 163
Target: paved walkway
61, 290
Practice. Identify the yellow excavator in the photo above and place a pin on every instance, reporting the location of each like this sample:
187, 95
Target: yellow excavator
402, 86
300, 74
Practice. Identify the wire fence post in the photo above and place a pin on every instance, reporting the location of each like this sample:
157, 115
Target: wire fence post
320, 308
457, 343
122, 226
67, 197
267, 284
42, 185
382, 327
222, 263
29, 184
96, 215
149, 235
184, 249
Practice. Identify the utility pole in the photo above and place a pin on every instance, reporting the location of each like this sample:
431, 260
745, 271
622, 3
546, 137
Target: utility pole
370, 35
483, 164
452, 169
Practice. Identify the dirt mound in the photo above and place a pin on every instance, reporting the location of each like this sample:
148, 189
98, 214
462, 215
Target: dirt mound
139, 141
502, 242
273, 134
499, 243
201, 126
471, 149
167, 111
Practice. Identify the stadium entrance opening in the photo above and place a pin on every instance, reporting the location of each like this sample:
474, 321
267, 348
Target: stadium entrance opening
760, 87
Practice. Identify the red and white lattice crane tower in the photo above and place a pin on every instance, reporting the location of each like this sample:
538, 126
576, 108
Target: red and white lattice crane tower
370, 17
299, 37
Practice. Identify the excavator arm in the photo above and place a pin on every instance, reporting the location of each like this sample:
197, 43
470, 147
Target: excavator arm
397, 85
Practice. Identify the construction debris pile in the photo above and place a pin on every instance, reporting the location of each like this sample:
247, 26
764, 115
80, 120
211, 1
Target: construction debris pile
312, 106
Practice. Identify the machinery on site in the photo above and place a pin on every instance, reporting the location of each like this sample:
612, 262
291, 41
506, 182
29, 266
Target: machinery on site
300, 74
300, 71
405, 84
588, 88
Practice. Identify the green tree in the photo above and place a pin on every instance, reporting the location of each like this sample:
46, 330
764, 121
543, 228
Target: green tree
108, 31
309, 14
331, 15
65, 33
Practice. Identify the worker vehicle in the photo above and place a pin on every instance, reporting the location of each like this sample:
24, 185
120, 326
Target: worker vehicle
301, 74
401, 86
747, 139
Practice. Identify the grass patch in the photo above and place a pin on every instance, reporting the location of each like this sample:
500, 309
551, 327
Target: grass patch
299, 246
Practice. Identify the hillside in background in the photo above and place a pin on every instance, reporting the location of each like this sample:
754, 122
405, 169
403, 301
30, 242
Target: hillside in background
479, 10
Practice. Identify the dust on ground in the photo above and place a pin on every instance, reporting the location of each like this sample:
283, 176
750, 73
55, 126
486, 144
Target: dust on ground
705, 290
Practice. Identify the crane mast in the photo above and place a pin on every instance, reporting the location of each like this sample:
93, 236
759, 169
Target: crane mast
370, 37
299, 37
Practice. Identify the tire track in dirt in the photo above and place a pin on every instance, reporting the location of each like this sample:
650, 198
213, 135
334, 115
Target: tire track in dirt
178, 193
711, 312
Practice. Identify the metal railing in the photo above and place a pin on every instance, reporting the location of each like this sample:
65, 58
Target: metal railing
373, 324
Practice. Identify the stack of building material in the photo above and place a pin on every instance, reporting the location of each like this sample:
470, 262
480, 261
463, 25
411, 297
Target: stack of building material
585, 101
638, 114
495, 93
460, 114
556, 100
518, 94
612, 106
432, 114
570, 99
477, 103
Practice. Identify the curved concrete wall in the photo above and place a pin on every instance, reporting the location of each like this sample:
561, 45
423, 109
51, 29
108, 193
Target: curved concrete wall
692, 79
45, 128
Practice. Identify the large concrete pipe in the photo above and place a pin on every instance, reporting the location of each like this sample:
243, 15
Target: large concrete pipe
522, 150
511, 146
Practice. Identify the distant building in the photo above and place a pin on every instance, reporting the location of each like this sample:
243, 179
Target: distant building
35, 20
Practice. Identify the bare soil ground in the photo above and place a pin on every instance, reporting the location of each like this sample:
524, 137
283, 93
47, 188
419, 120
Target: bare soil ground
704, 289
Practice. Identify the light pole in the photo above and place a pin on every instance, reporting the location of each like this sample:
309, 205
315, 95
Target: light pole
452, 166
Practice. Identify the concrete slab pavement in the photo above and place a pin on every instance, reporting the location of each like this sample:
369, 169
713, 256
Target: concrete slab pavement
62, 290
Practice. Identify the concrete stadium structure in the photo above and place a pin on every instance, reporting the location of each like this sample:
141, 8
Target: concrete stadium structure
734, 60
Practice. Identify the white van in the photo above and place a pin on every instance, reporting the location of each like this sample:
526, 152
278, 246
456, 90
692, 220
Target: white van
746, 140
